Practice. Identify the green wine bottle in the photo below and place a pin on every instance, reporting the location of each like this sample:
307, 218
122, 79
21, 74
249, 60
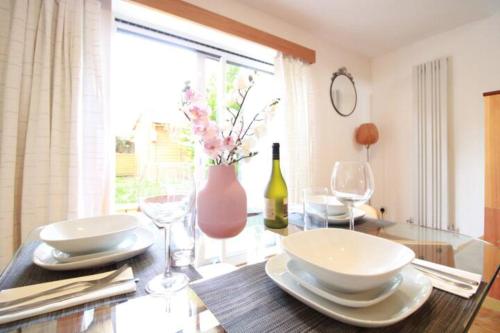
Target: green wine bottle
276, 195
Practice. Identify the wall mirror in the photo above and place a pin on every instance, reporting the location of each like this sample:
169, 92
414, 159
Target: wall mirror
343, 93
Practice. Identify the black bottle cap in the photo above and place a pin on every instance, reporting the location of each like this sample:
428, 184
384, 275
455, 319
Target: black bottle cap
276, 151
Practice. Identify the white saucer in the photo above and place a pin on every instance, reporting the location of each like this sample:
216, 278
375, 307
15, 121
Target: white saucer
42, 255
410, 296
63, 257
342, 219
355, 300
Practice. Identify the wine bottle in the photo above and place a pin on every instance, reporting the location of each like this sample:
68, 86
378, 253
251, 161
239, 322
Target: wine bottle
276, 195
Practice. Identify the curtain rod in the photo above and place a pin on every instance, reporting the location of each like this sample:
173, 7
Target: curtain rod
185, 39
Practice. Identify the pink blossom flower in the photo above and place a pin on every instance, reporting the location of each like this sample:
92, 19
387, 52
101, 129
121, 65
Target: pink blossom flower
199, 128
191, 96
228, 143
206, 129
211, 130
212, 146
198, 112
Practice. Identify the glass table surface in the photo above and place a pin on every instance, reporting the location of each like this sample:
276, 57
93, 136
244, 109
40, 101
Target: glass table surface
185, 312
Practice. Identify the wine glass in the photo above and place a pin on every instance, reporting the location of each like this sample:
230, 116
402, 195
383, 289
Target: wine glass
352, 184
315, 208
167, 195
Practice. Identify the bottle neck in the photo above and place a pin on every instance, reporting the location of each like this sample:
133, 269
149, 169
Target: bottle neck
276, 167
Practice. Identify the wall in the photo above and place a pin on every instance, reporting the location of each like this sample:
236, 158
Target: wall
474, 50
333, 137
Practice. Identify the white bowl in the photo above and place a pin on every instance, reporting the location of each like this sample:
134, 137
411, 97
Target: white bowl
346, 260
89, 235
334, 207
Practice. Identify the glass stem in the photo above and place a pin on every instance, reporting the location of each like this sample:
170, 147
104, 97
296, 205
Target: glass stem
351, 217
166, 229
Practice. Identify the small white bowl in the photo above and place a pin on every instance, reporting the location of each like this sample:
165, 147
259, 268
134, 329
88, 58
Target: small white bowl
89, 235
346, 260
334, 207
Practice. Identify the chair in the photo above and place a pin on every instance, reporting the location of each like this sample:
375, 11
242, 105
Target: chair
370, 211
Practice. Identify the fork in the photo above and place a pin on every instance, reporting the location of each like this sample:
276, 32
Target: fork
95, 282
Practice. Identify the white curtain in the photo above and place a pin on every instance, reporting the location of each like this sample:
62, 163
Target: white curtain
54, 160
294, 78
430, 86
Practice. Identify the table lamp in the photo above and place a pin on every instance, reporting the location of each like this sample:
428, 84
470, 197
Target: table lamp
367, 135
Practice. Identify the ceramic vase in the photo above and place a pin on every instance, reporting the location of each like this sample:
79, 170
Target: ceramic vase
222, 203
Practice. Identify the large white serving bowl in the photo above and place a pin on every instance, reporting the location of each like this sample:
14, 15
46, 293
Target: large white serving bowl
346, 260
89, 235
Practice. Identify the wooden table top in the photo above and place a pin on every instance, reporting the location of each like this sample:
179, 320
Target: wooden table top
185, 312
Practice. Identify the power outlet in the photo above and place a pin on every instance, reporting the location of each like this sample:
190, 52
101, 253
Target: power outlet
382, 211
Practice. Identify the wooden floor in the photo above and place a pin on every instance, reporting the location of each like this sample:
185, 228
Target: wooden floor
488, 317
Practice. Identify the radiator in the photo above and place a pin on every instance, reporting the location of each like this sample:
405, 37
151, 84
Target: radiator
430, 87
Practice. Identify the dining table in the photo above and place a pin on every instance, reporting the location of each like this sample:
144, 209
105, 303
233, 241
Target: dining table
186, 311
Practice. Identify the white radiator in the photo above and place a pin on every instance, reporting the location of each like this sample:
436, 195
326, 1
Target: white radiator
430, 87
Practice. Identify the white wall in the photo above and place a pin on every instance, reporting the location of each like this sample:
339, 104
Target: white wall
333, 138
474, 50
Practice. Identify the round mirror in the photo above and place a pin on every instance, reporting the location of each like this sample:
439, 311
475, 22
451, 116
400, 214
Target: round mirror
343, 92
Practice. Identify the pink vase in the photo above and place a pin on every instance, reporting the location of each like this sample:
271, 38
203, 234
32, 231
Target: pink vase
222, 203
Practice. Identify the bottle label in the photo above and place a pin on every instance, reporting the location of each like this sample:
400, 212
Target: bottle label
270, 209
273, 207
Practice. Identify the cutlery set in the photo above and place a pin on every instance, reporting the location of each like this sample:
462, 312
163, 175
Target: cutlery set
441, 273
445, 279
28, 301
53, 295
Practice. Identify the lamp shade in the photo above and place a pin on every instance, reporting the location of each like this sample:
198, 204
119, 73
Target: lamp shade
367, 134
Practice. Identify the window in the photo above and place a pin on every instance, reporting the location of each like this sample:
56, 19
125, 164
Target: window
149, 70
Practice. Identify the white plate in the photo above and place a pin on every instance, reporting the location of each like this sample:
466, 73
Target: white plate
355, 300
89, 235
42, 255
410, 296
347, 260
343, 219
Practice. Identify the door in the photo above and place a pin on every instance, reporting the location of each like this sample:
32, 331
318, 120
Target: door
492, 183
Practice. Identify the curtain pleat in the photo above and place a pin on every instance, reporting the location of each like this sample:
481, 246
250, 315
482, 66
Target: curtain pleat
52, 121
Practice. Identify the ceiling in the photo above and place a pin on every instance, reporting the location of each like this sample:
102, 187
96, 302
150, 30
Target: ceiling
375, 27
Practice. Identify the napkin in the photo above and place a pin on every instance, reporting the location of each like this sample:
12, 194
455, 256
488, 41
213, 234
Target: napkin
14, 293
448, 287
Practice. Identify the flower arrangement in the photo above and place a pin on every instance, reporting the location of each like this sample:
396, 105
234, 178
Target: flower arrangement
234, 140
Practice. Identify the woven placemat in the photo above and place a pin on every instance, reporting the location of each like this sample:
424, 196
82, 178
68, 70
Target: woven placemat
247, 300
23, 272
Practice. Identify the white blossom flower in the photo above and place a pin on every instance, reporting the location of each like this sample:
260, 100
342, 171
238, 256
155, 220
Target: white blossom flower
260, 130
269, 115
247, 146
243, 82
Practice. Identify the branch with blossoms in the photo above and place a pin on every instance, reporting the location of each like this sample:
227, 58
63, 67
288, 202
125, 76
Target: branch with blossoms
235, 142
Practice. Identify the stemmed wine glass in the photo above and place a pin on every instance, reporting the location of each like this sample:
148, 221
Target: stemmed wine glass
167, 195
352, 184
